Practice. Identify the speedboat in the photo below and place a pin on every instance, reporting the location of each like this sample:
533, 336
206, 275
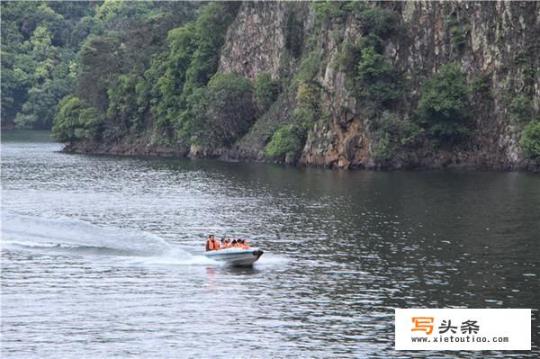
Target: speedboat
237, 257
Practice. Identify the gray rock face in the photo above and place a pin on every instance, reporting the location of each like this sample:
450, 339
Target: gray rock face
499, 44
255, 42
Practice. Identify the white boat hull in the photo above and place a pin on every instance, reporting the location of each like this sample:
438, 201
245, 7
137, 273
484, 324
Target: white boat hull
237, 257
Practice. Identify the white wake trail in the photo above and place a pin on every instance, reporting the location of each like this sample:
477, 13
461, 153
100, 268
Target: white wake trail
73, 233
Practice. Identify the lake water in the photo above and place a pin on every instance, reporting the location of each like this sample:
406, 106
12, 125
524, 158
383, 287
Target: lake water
102, 256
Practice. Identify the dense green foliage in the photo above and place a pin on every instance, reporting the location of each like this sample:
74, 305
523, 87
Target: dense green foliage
168, 74
393, 133
287, 141
76, 121
376, 78
132, 67
127, 38
39, 45
219, 113
378, 21
530, 139
230, 111
443, 109
332, 10
123, 106
164, 85
53, 49
308, 107
266, 91
211, 26
521, 109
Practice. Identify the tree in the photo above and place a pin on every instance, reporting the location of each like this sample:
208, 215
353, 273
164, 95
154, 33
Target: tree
443, 109
521, 109
380, 22
287, 141
210, 27
266, 91
123, 108
173, 67
101, 60
40, 108
231, 109
76, 120
530, 140
377, 81
36, 57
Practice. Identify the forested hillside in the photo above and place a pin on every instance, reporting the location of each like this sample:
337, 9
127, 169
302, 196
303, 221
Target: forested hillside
39, 46
336, 84
47, 46
130, 85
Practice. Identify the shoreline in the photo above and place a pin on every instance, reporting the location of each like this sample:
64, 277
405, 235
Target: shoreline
144, 150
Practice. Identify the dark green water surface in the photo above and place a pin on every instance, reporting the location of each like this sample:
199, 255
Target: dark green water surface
102, 256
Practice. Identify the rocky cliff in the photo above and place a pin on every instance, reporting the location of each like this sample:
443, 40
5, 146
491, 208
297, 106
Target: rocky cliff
313, 53
499, 47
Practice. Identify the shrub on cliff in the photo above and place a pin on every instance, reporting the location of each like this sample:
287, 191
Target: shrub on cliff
286, 143
521, 109
266, 91
288, 140
530, 140
373, 19
328, 10
378, 21
376, 78
76, 121
443, 109
308, 98
393, 134
231, 109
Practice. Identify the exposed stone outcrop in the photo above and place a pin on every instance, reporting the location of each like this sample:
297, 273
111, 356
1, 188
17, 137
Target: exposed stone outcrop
256, 40
499, 46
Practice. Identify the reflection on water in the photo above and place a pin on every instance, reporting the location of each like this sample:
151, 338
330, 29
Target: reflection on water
108, 251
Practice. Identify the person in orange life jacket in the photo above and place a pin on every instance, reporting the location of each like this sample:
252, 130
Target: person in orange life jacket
211, 243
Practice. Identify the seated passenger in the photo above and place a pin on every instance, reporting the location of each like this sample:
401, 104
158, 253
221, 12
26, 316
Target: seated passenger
210, 243
234, 243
